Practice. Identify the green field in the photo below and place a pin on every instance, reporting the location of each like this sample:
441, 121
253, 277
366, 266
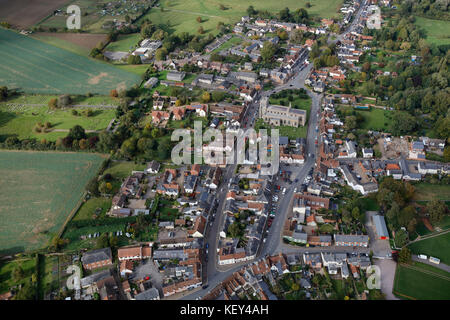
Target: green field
427, 192
38, 192
37, 67
122, 169
180, 16
19, 121
437, 31
438, 247
374, 119
88, 208
125, 42
422, 282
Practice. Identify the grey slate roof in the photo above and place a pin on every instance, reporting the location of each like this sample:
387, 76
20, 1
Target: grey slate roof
96, 255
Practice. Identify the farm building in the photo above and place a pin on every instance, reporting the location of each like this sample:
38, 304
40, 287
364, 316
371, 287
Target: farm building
380, 226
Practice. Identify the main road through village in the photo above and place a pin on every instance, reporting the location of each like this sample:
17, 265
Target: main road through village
215, 274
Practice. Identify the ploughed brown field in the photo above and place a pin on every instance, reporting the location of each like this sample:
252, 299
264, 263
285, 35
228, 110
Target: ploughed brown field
25, 13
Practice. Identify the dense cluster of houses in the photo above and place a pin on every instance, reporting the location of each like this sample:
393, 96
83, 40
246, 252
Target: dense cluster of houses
248, 192
255, 279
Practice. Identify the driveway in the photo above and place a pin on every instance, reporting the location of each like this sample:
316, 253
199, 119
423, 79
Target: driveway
387, 268
148, 268
380, 248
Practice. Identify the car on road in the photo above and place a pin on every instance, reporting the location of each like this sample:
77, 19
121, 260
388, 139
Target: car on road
205, 286
284, 191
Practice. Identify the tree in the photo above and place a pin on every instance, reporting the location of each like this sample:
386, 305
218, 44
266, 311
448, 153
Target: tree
18, 273
268, 51
103, 241
406, 215
132, 59
356, 214
147, 29
436, 209
199, 19
64, 100
296, 36
251, 11
161, 54
3, 93
234, 230
77, 132
412, 225
53, 103
404, 255
206, 97
401, 238
27, 292
222, 7
201, 30
113, 93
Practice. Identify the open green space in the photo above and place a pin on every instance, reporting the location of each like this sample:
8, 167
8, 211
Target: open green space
122, 169
436, 31
138, 69
180, 16
419, 282
89, 208
438, 247
234, 41
427, 191
374, 119
37, 67
7, 279
20, 121
125, 42
39, 191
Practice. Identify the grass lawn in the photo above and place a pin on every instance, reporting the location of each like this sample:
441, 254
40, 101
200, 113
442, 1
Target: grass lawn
43, 188
434, 30
122, 169
125, 42
292, 132
234, 41
420, 282
166, 212
427, 192
138, 69
438, 247
6, 269
89, 207
180, 16
374, 119
19, 120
